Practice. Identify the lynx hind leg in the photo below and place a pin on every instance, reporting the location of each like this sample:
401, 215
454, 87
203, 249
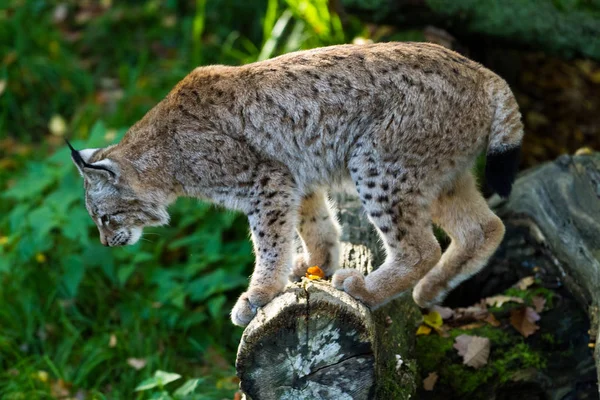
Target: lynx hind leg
400, 211
475, 231
319, 232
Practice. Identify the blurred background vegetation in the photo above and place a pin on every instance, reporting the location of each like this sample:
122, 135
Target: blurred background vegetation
78, 320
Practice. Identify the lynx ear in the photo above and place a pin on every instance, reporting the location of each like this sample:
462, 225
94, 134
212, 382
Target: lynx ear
106, 169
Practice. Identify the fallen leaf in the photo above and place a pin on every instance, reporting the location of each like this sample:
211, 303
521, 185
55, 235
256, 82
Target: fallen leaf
538, 303
137, 363
112, 342
314, 273
523, 320
524, 283
498, 301
237, 396
476, 312
423, 330
475, 350
473, 325
445, 312
429, 382
433, 319
491, 319
584, 151
60, 389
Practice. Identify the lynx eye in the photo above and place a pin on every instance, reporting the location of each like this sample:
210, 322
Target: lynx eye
105, 219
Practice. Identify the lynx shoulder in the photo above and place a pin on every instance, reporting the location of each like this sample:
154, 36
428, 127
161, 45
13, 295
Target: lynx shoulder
402, 122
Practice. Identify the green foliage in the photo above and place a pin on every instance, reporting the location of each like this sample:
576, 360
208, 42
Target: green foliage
74, 314
565, 27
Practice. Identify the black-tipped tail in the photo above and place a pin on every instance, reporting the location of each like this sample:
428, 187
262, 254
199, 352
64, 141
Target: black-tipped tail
501, 169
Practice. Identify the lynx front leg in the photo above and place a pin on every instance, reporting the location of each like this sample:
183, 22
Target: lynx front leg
320, 234
272, 218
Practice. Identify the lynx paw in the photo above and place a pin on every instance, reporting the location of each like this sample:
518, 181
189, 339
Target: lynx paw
352, 282
425, 296
247, 305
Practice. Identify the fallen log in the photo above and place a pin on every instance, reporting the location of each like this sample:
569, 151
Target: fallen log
558, 204
314, 342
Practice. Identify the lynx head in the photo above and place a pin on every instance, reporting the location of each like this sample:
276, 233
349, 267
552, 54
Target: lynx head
114, 200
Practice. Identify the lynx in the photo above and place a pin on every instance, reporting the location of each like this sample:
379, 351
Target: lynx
402, 122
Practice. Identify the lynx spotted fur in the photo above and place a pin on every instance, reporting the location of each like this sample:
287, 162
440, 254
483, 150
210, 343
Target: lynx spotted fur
403, 122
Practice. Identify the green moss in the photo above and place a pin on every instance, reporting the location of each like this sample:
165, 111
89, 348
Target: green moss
509, 353
517, 357
528, 295
431, 351
465, 380
548, 338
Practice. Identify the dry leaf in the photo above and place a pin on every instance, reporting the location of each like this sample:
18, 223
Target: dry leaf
475, 350
584, 151
112, 342
429, 382
433, 319
525, 282
423, 330
498, 301
476, 312
60, 389
538, 303
523, 320
237, 396
314, 273
473, 325
137, 363
491, 319
445, 312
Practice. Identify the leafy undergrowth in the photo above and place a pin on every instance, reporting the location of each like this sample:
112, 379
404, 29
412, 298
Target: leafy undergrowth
475, 351
79, 320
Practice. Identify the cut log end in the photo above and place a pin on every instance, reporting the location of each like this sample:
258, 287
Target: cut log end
310, 342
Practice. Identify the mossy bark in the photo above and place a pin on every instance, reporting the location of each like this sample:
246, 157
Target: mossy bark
558, 203
561, 27
314, 341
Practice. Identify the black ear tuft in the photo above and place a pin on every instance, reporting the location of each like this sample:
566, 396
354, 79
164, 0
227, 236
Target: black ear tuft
76, 156
83, 164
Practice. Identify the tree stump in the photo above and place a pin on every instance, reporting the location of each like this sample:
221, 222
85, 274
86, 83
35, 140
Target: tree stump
316, 342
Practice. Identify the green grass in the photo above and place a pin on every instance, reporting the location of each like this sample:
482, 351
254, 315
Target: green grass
74, 314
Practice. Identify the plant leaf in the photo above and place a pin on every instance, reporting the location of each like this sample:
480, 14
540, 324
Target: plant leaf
187, 388
166, 377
